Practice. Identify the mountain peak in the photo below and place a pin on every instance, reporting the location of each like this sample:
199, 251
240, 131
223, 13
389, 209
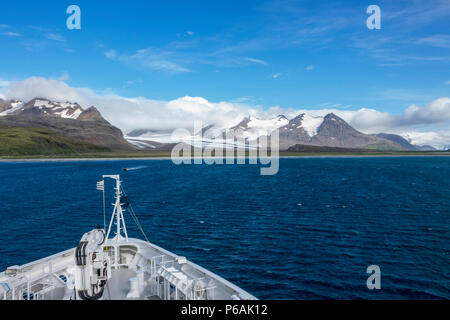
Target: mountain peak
91, 114
305, 123
300, 116
44, 107
66, 118
332, 116
243, 125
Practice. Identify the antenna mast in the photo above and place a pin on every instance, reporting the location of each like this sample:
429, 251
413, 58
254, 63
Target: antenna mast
117, 212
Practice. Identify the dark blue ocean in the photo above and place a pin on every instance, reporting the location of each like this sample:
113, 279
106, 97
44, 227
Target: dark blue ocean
309, 232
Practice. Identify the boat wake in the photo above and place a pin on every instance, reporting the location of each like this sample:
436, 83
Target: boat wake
135, 168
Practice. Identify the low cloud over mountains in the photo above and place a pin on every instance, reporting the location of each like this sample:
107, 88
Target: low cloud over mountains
428, 124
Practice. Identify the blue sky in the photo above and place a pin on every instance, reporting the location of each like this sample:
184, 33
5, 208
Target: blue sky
291, 54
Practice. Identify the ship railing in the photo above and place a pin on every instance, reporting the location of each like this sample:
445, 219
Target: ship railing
157, 262
203, 293
22, 286
172, 283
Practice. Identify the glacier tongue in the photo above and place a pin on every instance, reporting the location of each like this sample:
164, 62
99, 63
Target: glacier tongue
311, 124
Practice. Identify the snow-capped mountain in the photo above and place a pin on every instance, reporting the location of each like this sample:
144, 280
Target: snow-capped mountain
10, 106
304, 124
252, 128
88, 125
44, 107
300, 129
328, 131
66, 118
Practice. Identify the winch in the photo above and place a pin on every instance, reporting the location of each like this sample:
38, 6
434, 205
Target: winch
93, 265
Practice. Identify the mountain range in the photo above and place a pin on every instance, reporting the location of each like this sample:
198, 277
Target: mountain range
44, 126
327, 131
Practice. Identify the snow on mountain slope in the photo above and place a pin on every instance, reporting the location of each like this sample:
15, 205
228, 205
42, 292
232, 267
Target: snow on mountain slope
304, 123
267, 125
252, 128
64, 110
42, 107
303, 129
310, 124
65, 118
13, 106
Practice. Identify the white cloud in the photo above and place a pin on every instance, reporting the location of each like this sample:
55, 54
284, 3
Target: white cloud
133, 113
11, 34
4, 83
440, 40
56, 37
149, 58
64, 76
257, 61
440, 140
420, 122
310, 68
437, 111
371, 120
277, 75
447, 82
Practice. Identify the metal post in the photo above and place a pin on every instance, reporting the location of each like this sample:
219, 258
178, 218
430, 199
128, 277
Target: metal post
28, 288
50, 268
123, 223
119, 208
110, 224
104, 207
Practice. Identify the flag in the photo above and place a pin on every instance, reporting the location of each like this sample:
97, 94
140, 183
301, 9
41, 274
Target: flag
101, 185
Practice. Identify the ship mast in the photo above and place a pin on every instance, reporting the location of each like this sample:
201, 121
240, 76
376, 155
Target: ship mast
117, 213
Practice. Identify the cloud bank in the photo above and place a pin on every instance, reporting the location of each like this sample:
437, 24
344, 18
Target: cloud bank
417, 123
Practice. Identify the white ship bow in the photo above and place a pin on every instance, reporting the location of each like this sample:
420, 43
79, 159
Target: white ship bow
116, 268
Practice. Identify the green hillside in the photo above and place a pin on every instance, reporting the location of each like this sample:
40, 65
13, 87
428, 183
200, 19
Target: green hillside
16, 141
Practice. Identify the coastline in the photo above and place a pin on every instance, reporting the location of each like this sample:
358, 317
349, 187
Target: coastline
164, 157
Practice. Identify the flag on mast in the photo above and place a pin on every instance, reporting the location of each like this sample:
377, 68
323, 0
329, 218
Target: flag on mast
101, 185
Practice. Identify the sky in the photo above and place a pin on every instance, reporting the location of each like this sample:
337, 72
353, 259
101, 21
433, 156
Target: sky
163, 64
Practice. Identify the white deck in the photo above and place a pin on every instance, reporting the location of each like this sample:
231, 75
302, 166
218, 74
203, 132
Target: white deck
144, 271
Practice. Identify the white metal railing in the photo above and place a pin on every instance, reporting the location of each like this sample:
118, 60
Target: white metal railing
162, 279
44, 272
